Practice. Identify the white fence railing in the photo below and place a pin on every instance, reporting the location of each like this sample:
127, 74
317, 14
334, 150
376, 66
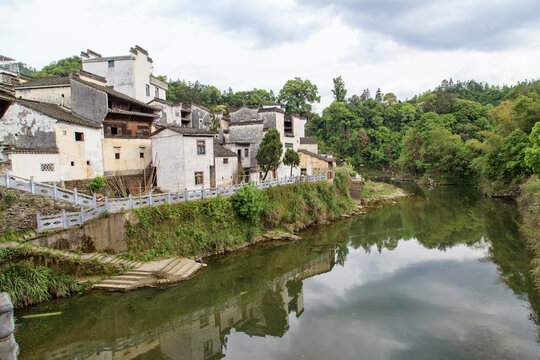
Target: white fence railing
67, 219
53, 191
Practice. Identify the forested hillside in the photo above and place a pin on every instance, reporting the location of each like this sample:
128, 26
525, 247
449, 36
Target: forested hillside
464, 132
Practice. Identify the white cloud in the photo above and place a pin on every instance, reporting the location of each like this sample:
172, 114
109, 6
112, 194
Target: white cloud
243, 44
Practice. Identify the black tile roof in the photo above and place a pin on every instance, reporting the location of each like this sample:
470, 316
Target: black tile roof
58, 113
126, 112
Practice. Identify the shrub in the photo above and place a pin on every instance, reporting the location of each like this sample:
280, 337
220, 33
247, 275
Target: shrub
9, 198
248, 202
96, 184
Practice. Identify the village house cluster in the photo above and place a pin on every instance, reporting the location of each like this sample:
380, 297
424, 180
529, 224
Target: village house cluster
112, 118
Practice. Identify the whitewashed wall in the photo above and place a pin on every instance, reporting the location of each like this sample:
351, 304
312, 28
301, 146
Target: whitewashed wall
130, 161
28, 165
226, 173
168, 154
51, 95
194, 162
79, 152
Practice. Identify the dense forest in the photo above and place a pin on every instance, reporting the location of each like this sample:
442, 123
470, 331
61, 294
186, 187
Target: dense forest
458, 133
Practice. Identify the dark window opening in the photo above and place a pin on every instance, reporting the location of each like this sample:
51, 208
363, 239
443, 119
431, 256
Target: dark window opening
111, 63
246, 152
147, 90
114, 130
73, 163
199, 178
141, 155
88, 162
117, 156
79, 136
239, 153
225, 160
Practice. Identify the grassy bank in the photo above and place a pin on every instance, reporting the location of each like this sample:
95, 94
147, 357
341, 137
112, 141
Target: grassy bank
213, 225
529, 206
31, 277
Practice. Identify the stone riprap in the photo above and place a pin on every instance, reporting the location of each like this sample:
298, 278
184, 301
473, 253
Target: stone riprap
9, 349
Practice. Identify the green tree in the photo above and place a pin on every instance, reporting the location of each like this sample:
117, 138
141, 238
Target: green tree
298, 95
62, 67
389, 99
291, 158
269, 153
532, 154
339, 90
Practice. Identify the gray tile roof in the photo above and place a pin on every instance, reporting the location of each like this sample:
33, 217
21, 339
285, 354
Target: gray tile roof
185, 131
110, 91
317, 156
222, 151
58, 113
44, 82
126, 112
308, 140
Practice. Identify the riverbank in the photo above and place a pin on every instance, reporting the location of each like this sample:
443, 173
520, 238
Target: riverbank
529, 208
220, 225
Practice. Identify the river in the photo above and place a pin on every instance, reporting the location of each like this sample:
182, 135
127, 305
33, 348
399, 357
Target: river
439, 275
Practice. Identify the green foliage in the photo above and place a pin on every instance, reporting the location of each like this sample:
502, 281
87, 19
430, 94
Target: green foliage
9, 198
532, 154
212, 225
248, 202
298, 95
270, 151
62, 67
291, 158
28, 284
96, 184
339, 90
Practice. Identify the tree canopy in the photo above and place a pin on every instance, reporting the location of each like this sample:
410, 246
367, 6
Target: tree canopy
62, 67
297, 95
291, 158
270, 151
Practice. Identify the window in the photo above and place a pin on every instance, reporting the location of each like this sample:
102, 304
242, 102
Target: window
141, 155
88, 162
79, 136
201, 147
246, 152
47, 167
177, 114
157, 92
239, 153
208, 349
147, 90
114, 130
73, 163
111, 63
225, 160
117, 156
199, 180
288, 145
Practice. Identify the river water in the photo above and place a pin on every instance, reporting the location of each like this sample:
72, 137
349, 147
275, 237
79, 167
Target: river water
440, 275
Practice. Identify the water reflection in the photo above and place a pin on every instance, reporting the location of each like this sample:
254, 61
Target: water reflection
403, 282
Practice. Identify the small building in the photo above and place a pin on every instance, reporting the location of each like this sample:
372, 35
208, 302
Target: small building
314, 164
129, 74
309, 144
226, 167
183, 157
50, 143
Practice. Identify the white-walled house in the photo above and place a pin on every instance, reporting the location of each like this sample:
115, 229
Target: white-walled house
129, 74
226, 166
50, 143
183, 158
309, 144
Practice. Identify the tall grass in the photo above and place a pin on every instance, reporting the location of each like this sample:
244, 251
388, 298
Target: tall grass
28, 284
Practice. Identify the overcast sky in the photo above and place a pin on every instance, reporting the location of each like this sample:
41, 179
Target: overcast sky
404, 47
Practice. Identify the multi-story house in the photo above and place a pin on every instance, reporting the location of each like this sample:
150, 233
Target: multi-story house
129, 74
126, 122
246, 129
